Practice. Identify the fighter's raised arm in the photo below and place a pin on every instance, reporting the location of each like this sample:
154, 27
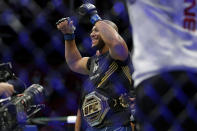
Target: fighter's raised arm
117, 46
108, 32
75, 61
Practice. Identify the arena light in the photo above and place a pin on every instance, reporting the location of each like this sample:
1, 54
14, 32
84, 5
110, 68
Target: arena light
71, 119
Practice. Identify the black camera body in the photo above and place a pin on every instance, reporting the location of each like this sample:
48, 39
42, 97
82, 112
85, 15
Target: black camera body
6, 72
17, 110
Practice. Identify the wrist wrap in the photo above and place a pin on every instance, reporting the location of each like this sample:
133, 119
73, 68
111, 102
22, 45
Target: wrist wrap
69, 36
95, 18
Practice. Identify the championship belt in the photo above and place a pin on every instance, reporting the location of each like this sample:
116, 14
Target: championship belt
95, 107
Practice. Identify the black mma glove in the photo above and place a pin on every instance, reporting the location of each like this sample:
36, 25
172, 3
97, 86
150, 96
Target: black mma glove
90, 10
68, 29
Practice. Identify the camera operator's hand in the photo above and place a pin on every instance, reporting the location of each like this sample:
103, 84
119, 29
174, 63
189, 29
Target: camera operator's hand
6, 89
90, 10
65, 25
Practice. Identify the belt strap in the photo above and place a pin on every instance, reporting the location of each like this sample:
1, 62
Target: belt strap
120, 103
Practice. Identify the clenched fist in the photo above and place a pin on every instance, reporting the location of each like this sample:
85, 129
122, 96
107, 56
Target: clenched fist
65, 25
90, 10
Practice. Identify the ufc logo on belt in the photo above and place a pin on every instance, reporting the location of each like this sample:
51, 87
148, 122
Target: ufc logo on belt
92, 108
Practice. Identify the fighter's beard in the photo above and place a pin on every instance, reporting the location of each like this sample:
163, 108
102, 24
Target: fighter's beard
99, 46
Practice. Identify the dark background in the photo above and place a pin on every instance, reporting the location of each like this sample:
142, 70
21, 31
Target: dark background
30, 41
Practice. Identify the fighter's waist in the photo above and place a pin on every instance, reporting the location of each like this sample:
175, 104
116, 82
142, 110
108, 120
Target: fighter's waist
97, 107
118, 119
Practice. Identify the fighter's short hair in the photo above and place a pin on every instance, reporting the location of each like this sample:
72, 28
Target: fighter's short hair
112, 24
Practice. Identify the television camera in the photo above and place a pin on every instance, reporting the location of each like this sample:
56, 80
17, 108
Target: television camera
17, 110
